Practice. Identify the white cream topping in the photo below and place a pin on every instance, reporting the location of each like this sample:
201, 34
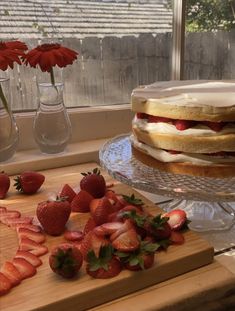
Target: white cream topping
168, 128
194, 93
164, 156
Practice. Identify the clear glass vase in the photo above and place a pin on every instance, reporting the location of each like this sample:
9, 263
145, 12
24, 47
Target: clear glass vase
52, 127
9, 133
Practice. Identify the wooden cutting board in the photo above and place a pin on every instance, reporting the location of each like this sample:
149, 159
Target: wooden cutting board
46, 291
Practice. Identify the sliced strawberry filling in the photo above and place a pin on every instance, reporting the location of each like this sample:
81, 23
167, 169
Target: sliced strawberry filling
182, 125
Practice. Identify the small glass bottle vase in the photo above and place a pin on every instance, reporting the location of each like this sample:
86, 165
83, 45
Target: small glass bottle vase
9, 133
52, 127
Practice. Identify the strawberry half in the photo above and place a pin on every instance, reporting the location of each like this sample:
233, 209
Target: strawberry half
103, 266
94, 183
89, 226
176, 237
81, 202
93, 242
4, 184
177, 218
29, 182
67, 192
100, 209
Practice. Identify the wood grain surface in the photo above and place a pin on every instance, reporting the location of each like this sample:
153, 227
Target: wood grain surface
47, 291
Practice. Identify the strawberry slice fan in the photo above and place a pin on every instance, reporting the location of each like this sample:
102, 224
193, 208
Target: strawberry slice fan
208, 202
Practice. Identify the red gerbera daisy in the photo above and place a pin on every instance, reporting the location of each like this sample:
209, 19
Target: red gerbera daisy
48, 55
11, 52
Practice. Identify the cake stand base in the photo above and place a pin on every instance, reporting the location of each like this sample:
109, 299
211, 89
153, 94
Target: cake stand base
205, 216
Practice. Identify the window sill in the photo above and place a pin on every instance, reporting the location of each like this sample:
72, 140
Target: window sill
81, 152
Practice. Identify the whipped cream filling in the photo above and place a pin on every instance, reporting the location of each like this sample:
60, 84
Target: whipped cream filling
168, 128
194, 158
194, 93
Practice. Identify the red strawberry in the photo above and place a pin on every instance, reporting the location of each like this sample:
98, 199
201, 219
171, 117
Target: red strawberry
177, 218
4, 215
27, 244
25, 268
3, 209
73, 235
126, 241
12, 222
53, 215
67, 192
29, 182
81, 202
141, 115
94, 183
155, 119
5, 284
176, 237
103, 266
100, 209
215, 126
4, 184
30, 257
89, 226
93, 242
182, 125
142, 258
11, 272
158, 227
66, 260
108, 228
34, 236
31, 227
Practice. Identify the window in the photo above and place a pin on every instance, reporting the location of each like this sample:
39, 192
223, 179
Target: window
122, 44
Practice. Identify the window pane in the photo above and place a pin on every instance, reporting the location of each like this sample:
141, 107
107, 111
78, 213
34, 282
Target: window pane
210, 39
121, 44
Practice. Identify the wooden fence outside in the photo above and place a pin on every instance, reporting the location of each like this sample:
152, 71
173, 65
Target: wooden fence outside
108, 69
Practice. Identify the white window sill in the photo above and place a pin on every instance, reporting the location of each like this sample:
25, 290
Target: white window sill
81, 152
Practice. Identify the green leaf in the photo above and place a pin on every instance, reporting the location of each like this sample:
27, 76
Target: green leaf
132, 199
158, 221
122, 254
134, 261
151, 247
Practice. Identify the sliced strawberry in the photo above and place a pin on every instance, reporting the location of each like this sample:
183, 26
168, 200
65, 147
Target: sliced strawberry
92, 242
34, 236
176, 237
67, 192
3, 209
27, 244
155, 119
73, 235
215, 126
5, 284
25, 268
177, 218
31, 258
11, 272
125, 241
103, 266
31, 227
108, 228
174, 151
81, 202
4, 184
100, 209
125, 227
113, 217
89, 226
22, 220
182, 125
8, 214
141, 115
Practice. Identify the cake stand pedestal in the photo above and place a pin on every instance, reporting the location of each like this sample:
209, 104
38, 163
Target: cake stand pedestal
208, 202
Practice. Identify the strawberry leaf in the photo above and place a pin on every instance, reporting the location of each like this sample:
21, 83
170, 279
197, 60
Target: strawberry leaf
132, 200
139, 220
158, 221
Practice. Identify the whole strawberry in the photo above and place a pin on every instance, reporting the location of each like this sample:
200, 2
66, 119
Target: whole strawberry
66, 260
94, 183
53, 215
4, 184
29, 182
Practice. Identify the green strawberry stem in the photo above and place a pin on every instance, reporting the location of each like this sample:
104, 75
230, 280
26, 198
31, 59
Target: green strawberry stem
4, 100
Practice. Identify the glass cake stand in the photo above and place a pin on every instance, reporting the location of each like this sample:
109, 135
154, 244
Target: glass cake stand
207, 201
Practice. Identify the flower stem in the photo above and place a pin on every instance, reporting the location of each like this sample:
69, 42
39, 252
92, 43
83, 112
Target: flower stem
52, 76
4, 100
